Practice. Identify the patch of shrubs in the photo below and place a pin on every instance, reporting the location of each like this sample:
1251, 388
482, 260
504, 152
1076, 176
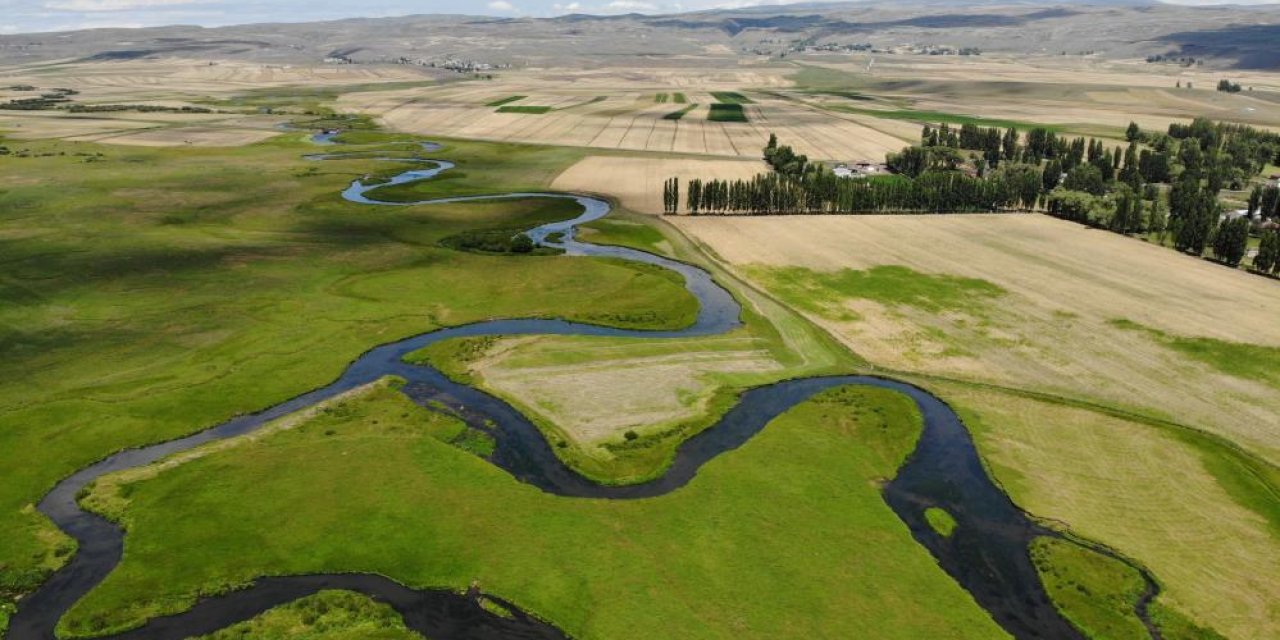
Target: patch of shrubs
496, 241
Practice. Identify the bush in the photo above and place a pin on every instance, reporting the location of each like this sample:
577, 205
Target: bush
499, 241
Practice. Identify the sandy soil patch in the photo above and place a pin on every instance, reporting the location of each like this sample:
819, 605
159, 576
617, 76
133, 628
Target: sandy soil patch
637, 182
1050, 331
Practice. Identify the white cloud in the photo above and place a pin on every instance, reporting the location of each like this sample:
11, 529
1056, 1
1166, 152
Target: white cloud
503, 6
631, 5
110, 5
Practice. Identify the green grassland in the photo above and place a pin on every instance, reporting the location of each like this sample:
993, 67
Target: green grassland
793, 345
1096, 593
644, 452
153, 292
482, 168
1203, 532
625, 232
940, 521
1247, 361
679, 98
721, 112
825, 292
328, 615
754, 547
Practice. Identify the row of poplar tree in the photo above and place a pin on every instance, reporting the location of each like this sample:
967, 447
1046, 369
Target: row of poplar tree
1163, 183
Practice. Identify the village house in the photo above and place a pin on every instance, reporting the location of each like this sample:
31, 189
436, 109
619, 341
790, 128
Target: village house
859, 170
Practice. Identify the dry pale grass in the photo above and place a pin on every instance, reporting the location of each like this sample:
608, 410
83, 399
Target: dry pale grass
595, 389
1139, 491
1050, 331
637, 182
33, 125
184, 136
177, 79
173, 83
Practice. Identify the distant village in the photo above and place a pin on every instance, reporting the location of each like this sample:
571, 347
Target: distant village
457, 65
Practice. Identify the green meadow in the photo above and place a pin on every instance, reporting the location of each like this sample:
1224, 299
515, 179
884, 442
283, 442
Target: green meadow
756, 546
150, 293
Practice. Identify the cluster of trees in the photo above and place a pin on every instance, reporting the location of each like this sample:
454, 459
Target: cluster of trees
1268, 259
671, 195
1163, 183
1265, 201
1231, 241
821, 191
1229, 86
1229, 154
141, 108
1197, 161
52, 99
783, 160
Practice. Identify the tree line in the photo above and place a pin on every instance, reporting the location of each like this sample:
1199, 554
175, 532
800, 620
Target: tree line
1166, 184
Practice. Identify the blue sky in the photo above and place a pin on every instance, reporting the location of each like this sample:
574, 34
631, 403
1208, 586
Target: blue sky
56, 15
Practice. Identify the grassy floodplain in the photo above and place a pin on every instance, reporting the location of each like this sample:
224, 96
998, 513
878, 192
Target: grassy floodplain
328, 615
1008, 327
149, 293
1206, 532
689, 564
618, 407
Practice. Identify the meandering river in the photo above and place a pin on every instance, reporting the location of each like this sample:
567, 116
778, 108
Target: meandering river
987, 554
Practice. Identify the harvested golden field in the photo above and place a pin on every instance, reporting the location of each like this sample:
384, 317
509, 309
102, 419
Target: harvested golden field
1138, 490
622, 114
1063, 91
637, 182
1078, 314
34, 125
173, 83
181, 79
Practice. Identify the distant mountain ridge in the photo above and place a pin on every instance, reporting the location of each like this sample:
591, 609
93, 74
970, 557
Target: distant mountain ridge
1224, 36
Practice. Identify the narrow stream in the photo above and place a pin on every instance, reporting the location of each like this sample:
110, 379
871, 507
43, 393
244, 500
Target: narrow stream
987, 554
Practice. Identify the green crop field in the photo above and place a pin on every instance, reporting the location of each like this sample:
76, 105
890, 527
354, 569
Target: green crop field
727, 113
530, 109
731, 97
